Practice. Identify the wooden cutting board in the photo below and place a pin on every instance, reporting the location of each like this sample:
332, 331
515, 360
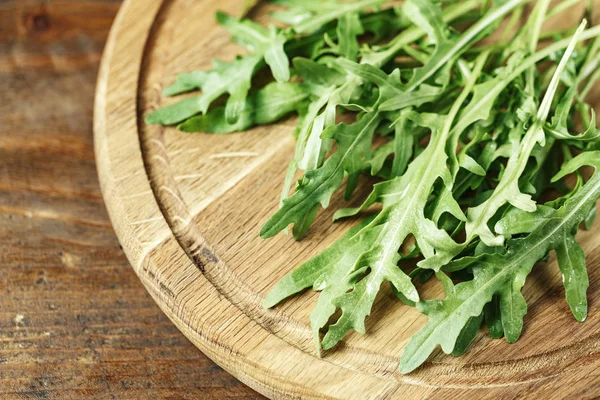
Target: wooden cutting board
188, 209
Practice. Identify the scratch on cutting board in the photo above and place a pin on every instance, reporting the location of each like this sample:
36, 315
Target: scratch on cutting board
234, 154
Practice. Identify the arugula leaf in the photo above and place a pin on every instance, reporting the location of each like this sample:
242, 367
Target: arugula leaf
317, 186
508, 190
447, 50
349, 29
504, 275
467, 335
311, 146
229, 78
406, 197
558, 128
307, 16
187, 82
326, 273
334, 90
258, 39
401, 216
429, 17
232, 78
266, 106
493, 318
403, 144
389, 87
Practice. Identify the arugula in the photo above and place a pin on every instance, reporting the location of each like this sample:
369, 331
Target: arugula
462, 135
232, 78
318, 185
266, 45
307, 16
508, 190
504, 275
312, 145
265, 106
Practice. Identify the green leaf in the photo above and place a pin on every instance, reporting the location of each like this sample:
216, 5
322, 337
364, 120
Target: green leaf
354, 145
311, 147
318, 73
517, 221
335, 90
309, 274
380, 155
266, 41
504, 275
571, 261
356, 305
308, 16
427, 14
589, 220
446, 203
389, 229
467, 335
232, 78
493, 318
559, 125
384, 23
508, 190
425, 94
186, 82
349, 29
448, 50
404, 200
266, 106
403, 145
467, 162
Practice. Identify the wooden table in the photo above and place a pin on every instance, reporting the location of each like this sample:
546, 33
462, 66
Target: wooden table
75, 322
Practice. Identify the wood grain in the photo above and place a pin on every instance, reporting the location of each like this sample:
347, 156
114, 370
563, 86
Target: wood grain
75, 322
188, 208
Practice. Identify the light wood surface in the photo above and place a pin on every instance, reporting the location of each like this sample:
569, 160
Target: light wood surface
75, 321
188, 208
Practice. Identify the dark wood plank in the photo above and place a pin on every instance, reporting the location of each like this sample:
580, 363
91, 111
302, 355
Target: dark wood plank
75, 322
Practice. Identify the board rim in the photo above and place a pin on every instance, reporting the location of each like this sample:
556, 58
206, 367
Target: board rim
112, 201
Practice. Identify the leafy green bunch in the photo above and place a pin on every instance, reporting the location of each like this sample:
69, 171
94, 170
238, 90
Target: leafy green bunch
468, 121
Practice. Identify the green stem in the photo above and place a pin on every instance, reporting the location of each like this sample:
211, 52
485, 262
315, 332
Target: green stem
467, 37
414, 33
505, 191
528, 62
533, 31
310, 24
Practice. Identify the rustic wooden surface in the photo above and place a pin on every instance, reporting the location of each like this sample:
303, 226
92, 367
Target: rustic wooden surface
75, 321
188, 209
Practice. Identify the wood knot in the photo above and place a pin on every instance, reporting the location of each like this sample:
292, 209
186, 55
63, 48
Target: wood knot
38, 22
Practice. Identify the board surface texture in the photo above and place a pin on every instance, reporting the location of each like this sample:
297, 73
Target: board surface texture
188, 209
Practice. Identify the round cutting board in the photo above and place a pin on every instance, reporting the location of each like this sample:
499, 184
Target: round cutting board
188, 209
